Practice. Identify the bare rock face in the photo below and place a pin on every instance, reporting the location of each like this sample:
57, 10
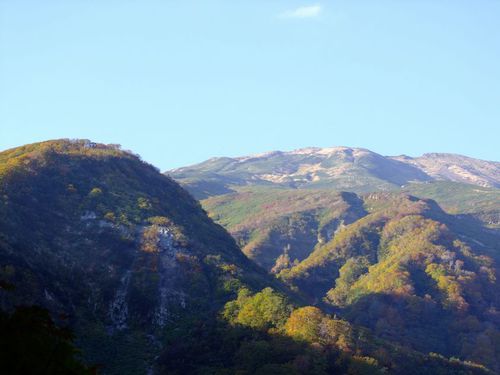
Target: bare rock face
457, 168
169, 292
168, 269
118, 309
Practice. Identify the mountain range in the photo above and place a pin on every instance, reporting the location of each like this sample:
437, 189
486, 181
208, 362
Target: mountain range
317, 261
339, 168
375, 239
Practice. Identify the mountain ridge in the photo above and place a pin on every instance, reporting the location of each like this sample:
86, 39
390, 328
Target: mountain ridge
419, 247
151, 284
341, 168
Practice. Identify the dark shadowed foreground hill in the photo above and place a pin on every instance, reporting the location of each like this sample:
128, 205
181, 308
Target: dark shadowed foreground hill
148, 283
93, 232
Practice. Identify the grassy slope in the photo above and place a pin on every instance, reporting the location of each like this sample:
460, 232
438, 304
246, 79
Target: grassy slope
254, 207
270, 224
458, 198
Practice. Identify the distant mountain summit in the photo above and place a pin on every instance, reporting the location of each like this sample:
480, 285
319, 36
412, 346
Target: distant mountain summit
457, 168
339, 168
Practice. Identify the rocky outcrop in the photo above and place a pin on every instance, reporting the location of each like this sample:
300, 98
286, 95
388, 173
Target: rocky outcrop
118, 310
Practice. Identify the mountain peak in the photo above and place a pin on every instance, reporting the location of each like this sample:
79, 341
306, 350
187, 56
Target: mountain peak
338, 167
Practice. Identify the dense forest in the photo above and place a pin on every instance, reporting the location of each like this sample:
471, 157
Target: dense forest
109, 266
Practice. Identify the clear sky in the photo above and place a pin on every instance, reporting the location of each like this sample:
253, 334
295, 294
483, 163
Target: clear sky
182, 81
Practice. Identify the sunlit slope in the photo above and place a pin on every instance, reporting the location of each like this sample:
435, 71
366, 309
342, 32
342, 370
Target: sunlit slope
462, 199
276, 228
338, 168
413, 274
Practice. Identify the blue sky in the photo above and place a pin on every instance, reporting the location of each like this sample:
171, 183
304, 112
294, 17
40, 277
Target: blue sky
182, 81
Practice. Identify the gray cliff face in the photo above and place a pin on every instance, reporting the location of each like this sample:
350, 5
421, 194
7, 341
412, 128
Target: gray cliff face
118, 309
167, 269
169, 293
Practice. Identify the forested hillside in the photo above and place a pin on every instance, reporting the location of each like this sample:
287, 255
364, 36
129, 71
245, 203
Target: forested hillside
91, 232
100, 251
417, 265
276, 228
414, 275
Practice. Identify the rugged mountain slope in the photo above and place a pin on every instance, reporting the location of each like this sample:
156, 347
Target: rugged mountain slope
457, 168
460, 199
414, 275
277, 228
150, 284
397, 256
339, 168
92, 232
